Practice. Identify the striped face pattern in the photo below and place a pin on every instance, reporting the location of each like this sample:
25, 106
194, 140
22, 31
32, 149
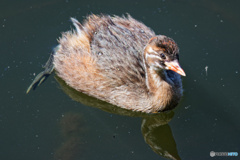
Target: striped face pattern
162, 52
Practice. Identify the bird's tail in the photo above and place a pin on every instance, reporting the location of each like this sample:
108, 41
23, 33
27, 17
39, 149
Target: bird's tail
42, 76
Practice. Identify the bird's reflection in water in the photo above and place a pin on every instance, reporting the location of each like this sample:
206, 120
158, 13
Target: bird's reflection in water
158, 135
72, 129
155, 129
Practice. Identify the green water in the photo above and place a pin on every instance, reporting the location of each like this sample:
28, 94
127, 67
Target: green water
50, 123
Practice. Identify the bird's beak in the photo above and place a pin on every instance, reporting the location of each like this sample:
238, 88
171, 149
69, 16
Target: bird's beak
174, 66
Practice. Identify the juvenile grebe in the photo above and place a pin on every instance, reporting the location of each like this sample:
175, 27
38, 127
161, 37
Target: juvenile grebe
118, 60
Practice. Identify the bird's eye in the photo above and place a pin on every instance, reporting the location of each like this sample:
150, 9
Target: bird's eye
162, 56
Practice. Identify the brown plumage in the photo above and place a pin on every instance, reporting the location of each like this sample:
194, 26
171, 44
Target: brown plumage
121, 61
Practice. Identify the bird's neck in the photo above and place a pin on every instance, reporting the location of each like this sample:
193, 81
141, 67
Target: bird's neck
157, 80
161, 88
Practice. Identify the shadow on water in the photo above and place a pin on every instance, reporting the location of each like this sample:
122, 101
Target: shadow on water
155, 129
72, 129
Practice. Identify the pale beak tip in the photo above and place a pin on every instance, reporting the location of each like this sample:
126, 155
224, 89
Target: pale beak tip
183, 74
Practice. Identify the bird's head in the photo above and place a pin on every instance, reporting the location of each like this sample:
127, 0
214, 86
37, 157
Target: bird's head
162, 52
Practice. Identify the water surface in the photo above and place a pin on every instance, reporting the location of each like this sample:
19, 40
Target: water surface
50, 123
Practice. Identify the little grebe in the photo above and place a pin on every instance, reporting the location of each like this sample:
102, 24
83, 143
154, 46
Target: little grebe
118, 60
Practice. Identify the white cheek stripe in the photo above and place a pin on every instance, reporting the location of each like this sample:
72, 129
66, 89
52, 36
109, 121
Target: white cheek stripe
152, 56
151, 50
